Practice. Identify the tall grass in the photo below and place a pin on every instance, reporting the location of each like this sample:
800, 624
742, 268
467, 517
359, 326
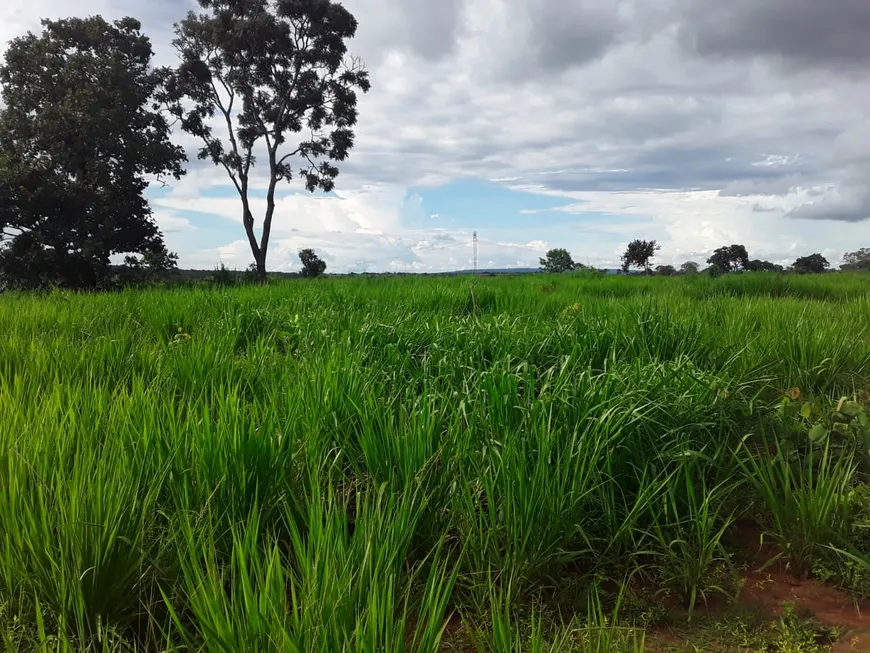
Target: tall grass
385, 464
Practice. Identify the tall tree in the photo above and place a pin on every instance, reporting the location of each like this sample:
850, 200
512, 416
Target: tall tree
639, 253
857, 260
557, 260
80, 135
731, 257
812, 264
269, 69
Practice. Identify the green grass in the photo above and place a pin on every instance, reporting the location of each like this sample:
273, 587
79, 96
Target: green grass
380, 464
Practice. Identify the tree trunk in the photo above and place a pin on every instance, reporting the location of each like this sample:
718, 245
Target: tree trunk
270, 211
258, 252
260, 258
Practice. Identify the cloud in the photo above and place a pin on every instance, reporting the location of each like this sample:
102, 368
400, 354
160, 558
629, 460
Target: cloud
562, 35
171, 224
377, 209
427, 30
412, 251
831, 35
843, 205
848, 201
691, 224
750, 187
761, 208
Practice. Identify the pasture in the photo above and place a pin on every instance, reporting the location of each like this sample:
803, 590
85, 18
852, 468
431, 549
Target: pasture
531, 463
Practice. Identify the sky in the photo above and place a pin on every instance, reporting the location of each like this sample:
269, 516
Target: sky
580, 124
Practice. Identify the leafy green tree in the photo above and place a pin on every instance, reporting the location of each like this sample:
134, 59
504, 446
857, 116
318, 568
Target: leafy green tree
857, 260
312, 265
269, 69
689, 267
665, 270
730, 258
639, 253
558, 260
79, 136
812, 264
757, 265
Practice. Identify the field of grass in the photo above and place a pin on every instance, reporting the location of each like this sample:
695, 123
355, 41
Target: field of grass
423, 464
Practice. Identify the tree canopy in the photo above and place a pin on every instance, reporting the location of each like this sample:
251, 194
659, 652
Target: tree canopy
757, 265
689, 267
857, 260
79, 137
731, 258
812, 264
269, 69
558, 260
639, 253
312, 264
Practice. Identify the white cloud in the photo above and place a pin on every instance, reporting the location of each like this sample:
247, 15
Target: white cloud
373, 208
412, 251
691, 224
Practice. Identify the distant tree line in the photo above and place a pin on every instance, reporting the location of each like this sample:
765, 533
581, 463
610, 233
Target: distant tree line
639, 254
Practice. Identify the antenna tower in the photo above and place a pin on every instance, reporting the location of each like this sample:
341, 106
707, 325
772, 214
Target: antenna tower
474, 248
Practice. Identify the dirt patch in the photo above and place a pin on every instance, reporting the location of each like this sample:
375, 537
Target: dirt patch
831, 606
768, 584
854, 642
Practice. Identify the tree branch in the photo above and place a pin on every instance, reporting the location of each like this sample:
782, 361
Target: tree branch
288, 155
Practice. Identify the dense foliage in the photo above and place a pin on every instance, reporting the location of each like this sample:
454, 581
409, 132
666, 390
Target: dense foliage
757, 265
356, 464
811, 264
730, 258
79, 140
558, 260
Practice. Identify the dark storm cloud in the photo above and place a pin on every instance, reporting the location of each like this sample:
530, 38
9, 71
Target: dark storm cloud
566, 34
851, 204
830, 33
